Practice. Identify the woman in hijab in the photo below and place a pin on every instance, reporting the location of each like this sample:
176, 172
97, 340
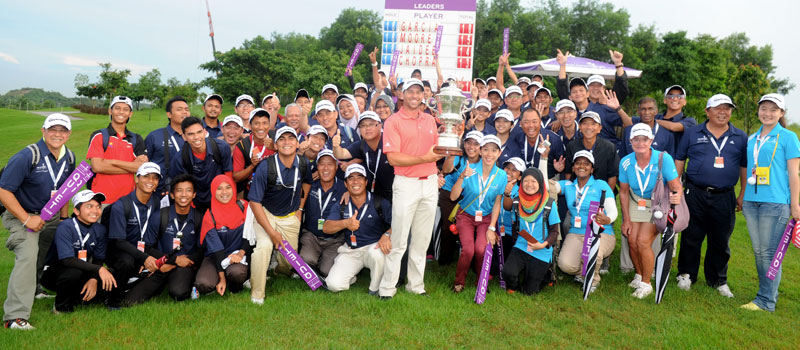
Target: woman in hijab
538, 231
225, 265
348, 111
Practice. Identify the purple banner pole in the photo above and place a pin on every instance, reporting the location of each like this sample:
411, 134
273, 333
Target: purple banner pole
76, 180
587, 236
353, 58
438, 43
395, 58
775, 267
483, 280
300, 266
505, 41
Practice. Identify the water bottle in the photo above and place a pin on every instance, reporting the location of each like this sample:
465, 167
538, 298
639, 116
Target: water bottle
195, 294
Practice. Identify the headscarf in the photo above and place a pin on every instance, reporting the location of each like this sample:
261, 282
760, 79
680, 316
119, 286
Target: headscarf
352, 122
225, 214
531, 206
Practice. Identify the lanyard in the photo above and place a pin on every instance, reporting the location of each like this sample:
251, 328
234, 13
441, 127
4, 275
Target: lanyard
175, 143
377, 164
80, 235
52, 175
179, 234
717, 147
582, 195
138, 219
639, 177
319, 198
363, 210
280, 178
482, 187
757, 149
535, 146
253, 147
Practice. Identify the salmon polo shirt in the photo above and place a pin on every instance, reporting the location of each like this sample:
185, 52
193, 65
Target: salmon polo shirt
413, 134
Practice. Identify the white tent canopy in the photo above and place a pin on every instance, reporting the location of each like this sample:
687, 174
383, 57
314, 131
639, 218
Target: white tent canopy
576, 67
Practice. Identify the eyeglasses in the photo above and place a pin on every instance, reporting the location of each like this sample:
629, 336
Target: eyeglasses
675, 97
245, 105
367, 125
57, 130
513, 97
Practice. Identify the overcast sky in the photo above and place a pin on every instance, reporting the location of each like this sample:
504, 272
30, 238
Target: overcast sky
45, 43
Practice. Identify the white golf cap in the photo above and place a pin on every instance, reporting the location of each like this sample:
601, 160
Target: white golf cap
641, 129
774, 98
87, 195
360, 86
505, 114
513, 90
543, 89
412, 82
317, 129
591, 115
258, 111
479, 80
525, 80
585, 154
496, 91
516, 162
353, 169
325, 152
719, 99
330, 87
124, 99
264, 100
324, 104
244, 98
148, 168
475, 135
673, 87
286, 130
301, 93
487, 139
369, 115
534, 84
233, 118
213, 96
484, 103
594, 78
578, 81
565, 104
57, 119
491, 79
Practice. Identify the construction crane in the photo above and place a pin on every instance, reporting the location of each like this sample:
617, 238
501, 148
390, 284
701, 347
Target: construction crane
211, 32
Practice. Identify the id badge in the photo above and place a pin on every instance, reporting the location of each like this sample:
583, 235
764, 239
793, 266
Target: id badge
641, 205
53, 193
353, 240
140, 246
502, 231
577, 222
82, 254
762, 175
320, 223
719, 162
164, 201
479, 215
176, 243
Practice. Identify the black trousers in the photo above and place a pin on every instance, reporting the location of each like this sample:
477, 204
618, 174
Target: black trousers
520, 263
67, 282
448, 242
208, 277
179, 281
123, 267
713, 216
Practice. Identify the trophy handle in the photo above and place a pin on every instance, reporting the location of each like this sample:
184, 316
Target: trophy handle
466, 106
431, 103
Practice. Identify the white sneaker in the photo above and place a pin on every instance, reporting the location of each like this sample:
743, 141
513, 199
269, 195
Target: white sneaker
19, 324
636, 280
725, 291
246, 284
295, 275
684, 282
643, 291
257, 301
579, 278
43, 295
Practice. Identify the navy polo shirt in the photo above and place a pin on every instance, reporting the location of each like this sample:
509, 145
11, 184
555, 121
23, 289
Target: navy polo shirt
129, 228
385, 171
532, 159
278, 199
224, 239
370, 226
204, 170
561, 135
609, 119
186, 227
697, 147
156, 145
213, 132
32, 185
67, 243
509, 150
687, 122
664, 139
346, 141
515, 130
549, 118
319, 198
488, 129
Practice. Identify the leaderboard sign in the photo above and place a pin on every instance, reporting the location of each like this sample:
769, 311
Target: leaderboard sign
410, 28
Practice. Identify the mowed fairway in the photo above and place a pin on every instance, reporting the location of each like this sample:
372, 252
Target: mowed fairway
294, 317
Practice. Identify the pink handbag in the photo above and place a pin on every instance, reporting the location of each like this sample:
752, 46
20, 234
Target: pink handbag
660, 202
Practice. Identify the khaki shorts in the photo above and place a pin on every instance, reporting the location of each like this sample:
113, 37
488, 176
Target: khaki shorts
640, 215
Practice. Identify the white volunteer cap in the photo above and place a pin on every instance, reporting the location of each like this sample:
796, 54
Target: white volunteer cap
325, 152
475, 135
244, 98
543, 89
774, 98
331, 87
578, 81
484, 103
355, 168
535, 84
479, 80
585, 154
369, 115
87, 195
263, 100
317, 129
360, 86
411, 82
286, 130
301, 93
496, 91
565, 104
258, 111
525, 80
591, 115
594, 78
148, 168
513, 90
57, 119
516, 162
124, 99
324, 104
233, 118
505, 114
642, 129
213, 96
487, 139
673, 87
719, 99
491, 79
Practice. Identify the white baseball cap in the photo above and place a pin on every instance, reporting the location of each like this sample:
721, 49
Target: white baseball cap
590, 114
505, 114
578, 81
496, 91
258, 111
369, 115
360, 86
484, 103
774, 98
585, 154
213, 96
285, 130
475, 135
594, 78
641, 129
565, 104
263, 100
355, 168
87, 195
516, 162
233, 118
491, 79
124, 99
479, 80
487, 139
57, 119
244, 98
148, 168
542, 89
325, 152
324, 104
330, 86
301, 93
533, 84
719, 99
317, 129
525, 80
666, 91
411, 82
513, 90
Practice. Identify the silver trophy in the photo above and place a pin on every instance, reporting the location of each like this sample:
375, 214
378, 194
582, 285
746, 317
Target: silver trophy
450, 105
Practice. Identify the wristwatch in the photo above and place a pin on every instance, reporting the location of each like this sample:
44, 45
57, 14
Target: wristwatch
492, 228
387, 234
375, 64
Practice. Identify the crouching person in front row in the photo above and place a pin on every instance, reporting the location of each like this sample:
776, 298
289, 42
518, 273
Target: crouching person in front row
75, 259
366, 220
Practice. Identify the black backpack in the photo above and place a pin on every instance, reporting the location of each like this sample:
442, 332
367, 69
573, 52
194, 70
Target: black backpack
37, 156
127, 206
550, 277
129, 136
272, 169
187, 156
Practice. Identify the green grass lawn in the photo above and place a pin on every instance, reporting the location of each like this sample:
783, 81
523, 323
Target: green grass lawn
294, 317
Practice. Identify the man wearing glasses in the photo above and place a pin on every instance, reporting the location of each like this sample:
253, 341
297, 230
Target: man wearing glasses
674, 120
380, 174
243, 106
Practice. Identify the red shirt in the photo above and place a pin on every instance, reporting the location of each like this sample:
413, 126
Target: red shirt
113, 186
256, 149
413, 135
